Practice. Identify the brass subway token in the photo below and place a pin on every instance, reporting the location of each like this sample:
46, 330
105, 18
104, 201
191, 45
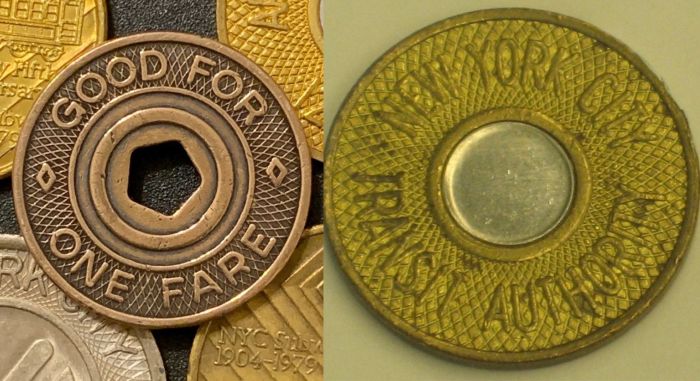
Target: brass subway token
277, 335
120, 257
50, 337
37, 39
510, 186
286, 39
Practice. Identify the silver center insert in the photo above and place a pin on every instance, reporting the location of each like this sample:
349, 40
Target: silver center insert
508, 183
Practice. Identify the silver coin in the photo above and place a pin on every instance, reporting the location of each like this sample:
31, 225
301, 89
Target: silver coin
508, 183
47, 336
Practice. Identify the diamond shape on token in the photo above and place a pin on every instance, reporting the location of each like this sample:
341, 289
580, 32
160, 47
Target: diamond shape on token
285, 39
227, 237
39, 38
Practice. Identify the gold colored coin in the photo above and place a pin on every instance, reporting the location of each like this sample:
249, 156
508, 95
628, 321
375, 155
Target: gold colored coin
286, 39
510, 186
37, 39
277, 335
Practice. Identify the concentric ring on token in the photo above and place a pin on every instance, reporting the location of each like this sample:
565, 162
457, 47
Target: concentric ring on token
152, 239
33, 56
116, 254
510, 186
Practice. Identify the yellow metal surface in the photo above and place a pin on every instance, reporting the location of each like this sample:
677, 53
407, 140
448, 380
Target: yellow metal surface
38, 38
632, 213
286, 39
277, 335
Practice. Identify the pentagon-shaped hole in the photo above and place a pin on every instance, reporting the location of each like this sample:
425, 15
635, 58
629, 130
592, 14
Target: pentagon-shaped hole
162, 177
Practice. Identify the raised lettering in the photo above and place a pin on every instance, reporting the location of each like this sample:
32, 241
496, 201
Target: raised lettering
9, 270
479, 56
553, 75
269, 19
200, 276
90, 277
412, 95
630, 210
255, 244
401, 120
74, 248
253, 110
120, 346
80, 87
131, 70
168, 292
518, 315
312, 114
34, 274
594, 90
608, 283
547, 286
230, 272
386, 201
216, 84
536, 55
423, 263
498, 310
507, 61
613, 250
438, 79
73, 108
257, 341
115, 284
146, 73
68, 305
196, 69
578, 290
455, 278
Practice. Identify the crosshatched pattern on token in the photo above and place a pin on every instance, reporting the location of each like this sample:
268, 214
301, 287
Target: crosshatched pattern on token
225, 242
57, 337
286, 322
285, 39
633, 205
37, 44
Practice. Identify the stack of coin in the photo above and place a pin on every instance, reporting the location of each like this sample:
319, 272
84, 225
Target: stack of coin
248, 120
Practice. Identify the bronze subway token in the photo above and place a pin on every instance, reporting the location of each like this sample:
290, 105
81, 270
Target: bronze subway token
50, 337
510, 186
124, 259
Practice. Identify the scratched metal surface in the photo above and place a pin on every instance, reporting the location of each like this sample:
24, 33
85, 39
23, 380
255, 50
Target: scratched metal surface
370, 149
128, 17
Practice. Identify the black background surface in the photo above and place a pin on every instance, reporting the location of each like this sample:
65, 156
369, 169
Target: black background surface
127, 17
